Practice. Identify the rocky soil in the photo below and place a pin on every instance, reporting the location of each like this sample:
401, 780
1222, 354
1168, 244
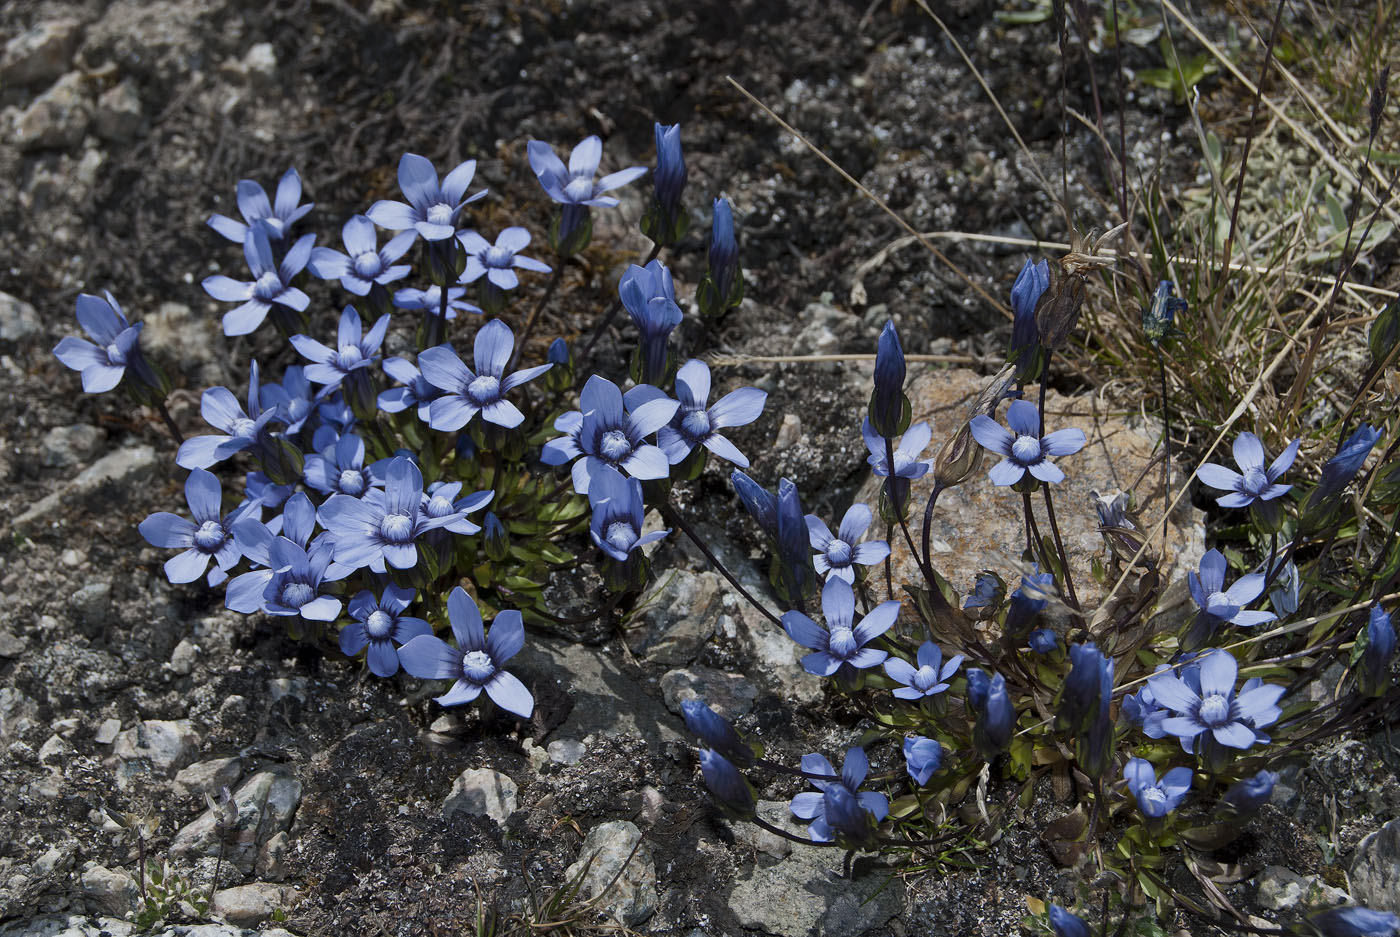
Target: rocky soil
357, 805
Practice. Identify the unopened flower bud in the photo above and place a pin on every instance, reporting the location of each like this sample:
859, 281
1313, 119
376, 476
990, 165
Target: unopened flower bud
727, 786
495, 538
889, 408
716, 731
959, 458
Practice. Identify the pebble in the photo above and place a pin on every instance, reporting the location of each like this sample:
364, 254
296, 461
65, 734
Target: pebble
789, 431
109, 891
18, 319
1281, 888
1375, 869
264, 805
107, 732
208, 777
56, 119
250, 905
609, 847
92, 603
728, 694
10, 646
118, 114
17, 712
40, 54
566, 751
481, 792
163, 745
63, 446
182, 659
54, 751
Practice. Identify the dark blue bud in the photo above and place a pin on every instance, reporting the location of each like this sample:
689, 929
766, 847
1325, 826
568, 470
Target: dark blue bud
716, 731
669, 178
794, 549
996, 720
1339, 470
1374, 673
1031, 283
1067, 924
727, 786
558, 352
1244, 798
1080, 695
466, 449
758, 501
724, 250
560, 376
1026, 603
1353, 921
887, 402
853, 825
978, 684
495, 538
1044, 641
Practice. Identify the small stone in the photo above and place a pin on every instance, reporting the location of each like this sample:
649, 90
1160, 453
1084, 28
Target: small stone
281, 687
481, 792
209, 777
728, 694
54, 751
1375, 869
789, 431
41, 53
260, 63
444, 724
250, 905
17, 712
1281, 888
118, 115
107, 732
156, 745
652, 803
807, 893
18, 319
66, 726
264, 806
71, 558
56, 119
183, 657
93, 603
109, 891
10, 646
272, 858
632, 898
566, 751
676, 617
233, 709
63, 446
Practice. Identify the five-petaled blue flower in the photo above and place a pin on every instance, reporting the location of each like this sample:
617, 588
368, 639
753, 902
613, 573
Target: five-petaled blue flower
441, 501
1022, 449
241, 429
297, 574
430, 300
1156, 798
922, 757
384, 525
611, 429
837, 556
1253, 482
275, 218
696, 424
907, 464
497, 262
416, 392
1208, 703
574, 184
1221, 605
380, 624
467, 393
296, 524
841, 644
102, 364
341, 469
432, 208
363, 264
353, 350
649, 295
208, 536
271, 282
476, 662
616, 523
929, 679
838, 806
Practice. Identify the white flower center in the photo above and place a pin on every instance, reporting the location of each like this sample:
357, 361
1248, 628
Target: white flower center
579, 188
441, 213
1214, 711
842, 643
210, 536
379, 624
484, 389
268, 286
477, 666
1026, 450
367, 265
924, 678
352, 481
1255, 481
347, 356
696, 424
615, 445
497, 256
396, 528
438, 506
243, 427
838, 553
115, 355
297, 594
620, 536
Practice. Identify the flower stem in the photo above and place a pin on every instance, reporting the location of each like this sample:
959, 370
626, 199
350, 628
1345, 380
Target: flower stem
529, 326
170, 423
674, 517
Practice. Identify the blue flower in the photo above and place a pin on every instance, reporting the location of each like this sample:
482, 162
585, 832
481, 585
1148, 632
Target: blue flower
241, 430
497, 262
275, 219
477, 659
430, 300
417, 392
354, 350
1028, 601
271, 282
297, 575
1253, 482
467, 393
906, 455
1156, 799
1206, 704
1141, 710
931, 677
440, 502
724, 253
986, 592
758, 501
1021, 448
668, 181
922, 757
340, 469
715, 731
1354, 921
1031, 283
887, 400
1080, 696
650, 299
293, 398
841, 644
1374, 671
839, 807
379, 624
611, 430
1067, 924
296, 524
364, 264
697, 424
432, 208
1218, 605
837, 556
1245, 797
383, 526
616, 524
995, 714
575, 184
726, 785
208, 536
1045, 641
105, 363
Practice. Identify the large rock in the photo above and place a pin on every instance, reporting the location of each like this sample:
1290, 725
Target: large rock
122, 468
978, 525
728, 694
613, 853
1375, 869
250, 905
264, 804
109, 891
156, 746
481, 792
806, 894
676, 616
606, 700
41, 53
